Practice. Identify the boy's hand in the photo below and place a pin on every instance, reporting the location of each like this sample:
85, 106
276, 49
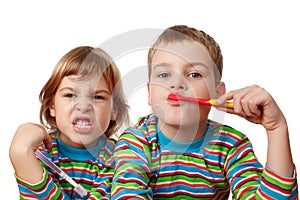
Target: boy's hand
256, 105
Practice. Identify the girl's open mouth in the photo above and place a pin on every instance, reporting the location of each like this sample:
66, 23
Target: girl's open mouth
83, 124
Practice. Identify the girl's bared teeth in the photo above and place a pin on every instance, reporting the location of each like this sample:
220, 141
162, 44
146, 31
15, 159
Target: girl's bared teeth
83, 124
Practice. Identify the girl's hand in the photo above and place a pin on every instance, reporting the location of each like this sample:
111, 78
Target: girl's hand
27, 139
30, 136
256, 105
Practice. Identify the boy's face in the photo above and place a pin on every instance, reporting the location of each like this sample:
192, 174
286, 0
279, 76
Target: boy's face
183, 68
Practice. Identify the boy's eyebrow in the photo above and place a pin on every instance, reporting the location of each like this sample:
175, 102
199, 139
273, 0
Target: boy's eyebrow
161, 65
197, 64
191, 64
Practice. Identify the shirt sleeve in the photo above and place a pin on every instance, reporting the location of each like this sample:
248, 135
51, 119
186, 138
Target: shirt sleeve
132, 172
249, 180
275, 186
45, 189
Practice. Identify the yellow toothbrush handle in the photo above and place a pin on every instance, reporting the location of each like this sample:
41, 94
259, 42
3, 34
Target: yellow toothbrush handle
227, 104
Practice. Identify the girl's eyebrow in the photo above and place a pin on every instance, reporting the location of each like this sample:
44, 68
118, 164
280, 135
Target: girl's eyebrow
103, 91
66, 88
96, 92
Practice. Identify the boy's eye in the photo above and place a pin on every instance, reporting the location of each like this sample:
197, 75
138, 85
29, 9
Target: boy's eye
164, 75
194, 75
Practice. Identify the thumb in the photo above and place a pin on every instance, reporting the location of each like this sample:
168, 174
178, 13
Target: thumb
48, 142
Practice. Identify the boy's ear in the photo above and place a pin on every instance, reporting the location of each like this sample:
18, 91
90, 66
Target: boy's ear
52, 110
220, 89
149, 99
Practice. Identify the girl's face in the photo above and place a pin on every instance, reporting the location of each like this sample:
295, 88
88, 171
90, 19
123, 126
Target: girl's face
183, 68
82, 110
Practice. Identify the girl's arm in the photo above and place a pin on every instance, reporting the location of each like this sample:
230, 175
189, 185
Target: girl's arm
26, 140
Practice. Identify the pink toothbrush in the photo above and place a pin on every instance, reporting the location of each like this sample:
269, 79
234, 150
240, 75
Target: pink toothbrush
206, 102
78, 188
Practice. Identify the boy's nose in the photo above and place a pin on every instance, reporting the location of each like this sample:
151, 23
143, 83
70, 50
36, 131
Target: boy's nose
179, 87
178, 83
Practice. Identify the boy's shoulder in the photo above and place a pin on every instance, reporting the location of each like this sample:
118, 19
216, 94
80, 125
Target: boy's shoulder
145, 128
227, 134
146, 122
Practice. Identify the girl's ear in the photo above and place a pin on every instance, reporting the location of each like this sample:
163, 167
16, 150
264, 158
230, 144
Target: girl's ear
52, 110
114, 113
149, 99
220, 89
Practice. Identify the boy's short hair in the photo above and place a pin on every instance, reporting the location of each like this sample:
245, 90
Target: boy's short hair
180, 33
85, 62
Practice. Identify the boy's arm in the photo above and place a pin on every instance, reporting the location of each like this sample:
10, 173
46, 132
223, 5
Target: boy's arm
132, 174
258, 106
248, 179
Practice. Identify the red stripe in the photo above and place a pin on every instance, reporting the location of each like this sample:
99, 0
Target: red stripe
275, 187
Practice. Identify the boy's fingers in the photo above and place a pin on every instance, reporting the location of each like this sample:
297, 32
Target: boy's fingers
245, 102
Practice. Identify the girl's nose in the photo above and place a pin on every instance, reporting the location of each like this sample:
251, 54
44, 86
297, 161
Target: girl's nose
83, 106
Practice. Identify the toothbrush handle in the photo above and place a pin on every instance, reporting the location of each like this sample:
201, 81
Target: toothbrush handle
78, 188
227, 104
47, 161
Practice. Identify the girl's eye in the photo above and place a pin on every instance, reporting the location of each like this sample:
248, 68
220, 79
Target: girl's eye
98, 97
195, 75
70, 95
164, 75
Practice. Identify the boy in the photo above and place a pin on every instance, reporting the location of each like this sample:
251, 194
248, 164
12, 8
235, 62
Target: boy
178, 153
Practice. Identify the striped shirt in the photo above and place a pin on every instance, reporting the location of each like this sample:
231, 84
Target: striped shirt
151, 166
88, 167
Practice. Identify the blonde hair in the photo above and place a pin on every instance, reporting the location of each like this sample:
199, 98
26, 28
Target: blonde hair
180, 33
85, 61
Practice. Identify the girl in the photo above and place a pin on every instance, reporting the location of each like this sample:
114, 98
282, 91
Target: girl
82, 105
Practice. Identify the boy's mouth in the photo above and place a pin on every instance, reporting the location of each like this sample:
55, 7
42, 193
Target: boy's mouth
174, 102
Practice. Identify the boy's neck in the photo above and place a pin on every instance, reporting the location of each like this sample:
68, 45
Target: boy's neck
183, 133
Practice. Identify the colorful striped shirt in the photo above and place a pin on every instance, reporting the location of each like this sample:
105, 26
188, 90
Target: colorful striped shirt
88, 167
151, 166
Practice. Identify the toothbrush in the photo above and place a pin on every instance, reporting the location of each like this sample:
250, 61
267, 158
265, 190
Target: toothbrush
78, 188
206, 102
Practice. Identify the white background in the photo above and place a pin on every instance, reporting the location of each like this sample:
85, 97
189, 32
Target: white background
259, 39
